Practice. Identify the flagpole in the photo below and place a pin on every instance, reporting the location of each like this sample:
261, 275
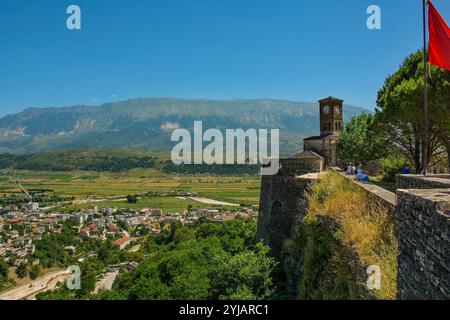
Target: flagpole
425, 76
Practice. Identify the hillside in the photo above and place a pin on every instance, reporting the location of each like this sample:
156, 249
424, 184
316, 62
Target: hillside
146, 124
112, 160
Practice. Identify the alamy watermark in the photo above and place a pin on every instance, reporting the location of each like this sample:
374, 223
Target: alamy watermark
374, 20
374, 279
239, 147
74, 280
73, 22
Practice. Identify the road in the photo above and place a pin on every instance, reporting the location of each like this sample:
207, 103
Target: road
209, 201
42, 284
106, 283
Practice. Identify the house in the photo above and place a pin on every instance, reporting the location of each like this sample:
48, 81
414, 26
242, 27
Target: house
207, 213
70, 248
99, 222
133, 221
31, 248
95, 230
85, 232
120, 217
2, 250
108, 210
64, 217
57, 229
156, 212
224, 217
32, 207
78, 218
112, 227
122, 242
170, 219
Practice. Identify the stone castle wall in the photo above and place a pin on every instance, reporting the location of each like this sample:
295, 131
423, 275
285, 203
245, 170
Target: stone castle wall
423, 232
420, 182
421, 208
282, 201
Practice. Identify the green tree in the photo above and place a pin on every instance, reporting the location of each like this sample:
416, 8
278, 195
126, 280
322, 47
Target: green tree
360, 142
244, 275
3, 269
132, 198
183, 233
34, 272
21, 270
400, 111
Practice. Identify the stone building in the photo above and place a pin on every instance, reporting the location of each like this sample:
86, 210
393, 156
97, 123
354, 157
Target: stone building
282, 204
331, 122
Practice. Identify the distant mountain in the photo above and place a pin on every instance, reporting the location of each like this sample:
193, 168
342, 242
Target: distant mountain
146, 124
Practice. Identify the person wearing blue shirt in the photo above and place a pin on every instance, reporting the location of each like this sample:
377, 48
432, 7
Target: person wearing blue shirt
406, 170
361, 175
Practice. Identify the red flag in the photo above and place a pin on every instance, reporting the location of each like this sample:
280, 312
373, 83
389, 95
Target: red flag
439, 39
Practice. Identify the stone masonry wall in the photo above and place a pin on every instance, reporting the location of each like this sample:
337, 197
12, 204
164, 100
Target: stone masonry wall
420, 182
423, 232
282, 202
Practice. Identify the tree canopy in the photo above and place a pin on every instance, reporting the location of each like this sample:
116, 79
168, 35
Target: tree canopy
360, 142
400, 111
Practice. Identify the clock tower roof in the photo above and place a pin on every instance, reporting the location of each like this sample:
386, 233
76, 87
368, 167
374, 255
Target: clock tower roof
331, 99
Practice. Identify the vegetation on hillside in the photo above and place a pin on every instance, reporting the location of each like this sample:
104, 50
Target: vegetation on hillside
79, 159
202, 261
4, 267
113, 160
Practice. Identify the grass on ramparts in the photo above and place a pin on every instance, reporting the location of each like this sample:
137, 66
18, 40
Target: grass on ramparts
366, 225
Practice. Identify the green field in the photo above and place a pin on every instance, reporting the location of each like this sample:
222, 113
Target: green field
94, 185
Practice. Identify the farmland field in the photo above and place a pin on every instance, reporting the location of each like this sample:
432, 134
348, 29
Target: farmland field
94, 185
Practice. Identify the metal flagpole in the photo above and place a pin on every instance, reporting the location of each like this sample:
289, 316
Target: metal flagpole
425, 76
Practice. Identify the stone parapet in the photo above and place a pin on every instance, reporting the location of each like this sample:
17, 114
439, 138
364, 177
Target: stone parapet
423, 233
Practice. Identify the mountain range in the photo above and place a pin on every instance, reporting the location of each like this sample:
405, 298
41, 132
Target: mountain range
146, 124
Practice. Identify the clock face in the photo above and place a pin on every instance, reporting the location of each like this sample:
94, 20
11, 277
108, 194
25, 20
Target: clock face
326, 109
337, 110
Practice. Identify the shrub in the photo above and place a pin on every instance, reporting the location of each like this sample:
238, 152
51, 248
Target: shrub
392, 167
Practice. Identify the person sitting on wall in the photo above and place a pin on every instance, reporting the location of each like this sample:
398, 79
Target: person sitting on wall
350, 169
406, 170
361, 175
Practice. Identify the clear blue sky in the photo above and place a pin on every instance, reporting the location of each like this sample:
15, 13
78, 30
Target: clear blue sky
220, 49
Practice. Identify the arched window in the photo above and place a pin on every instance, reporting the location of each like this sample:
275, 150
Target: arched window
277, 206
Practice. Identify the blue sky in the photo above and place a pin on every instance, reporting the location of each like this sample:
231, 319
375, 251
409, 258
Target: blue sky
219, 49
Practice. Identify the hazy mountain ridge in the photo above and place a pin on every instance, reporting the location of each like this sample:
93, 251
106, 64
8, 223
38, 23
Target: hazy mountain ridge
146, 124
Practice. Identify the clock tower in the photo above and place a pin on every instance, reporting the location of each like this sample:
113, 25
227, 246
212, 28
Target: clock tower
331, 116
